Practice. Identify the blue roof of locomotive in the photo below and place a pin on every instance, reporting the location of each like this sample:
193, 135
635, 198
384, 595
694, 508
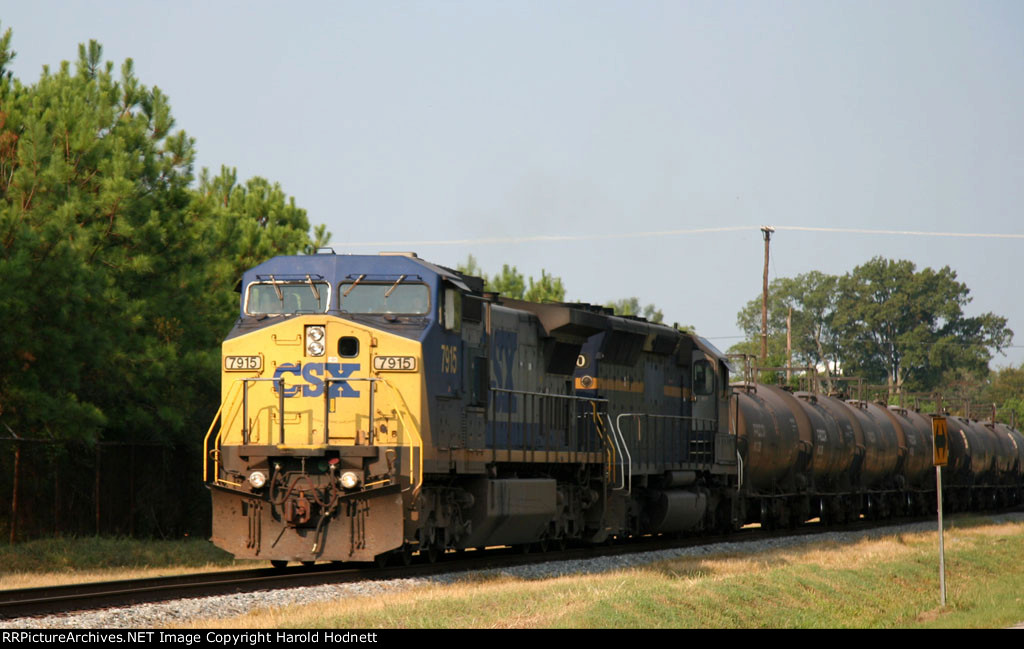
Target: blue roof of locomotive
335, 268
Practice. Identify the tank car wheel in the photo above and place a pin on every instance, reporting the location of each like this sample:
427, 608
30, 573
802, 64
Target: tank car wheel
309, 563
278, 563
382, 560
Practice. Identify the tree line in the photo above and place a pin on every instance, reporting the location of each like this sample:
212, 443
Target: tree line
885, 321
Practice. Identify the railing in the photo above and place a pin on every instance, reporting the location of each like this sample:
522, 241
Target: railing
667, 439
625, 459
541, 424
327, 406
402, 410
245, 406
214, 453
618, 454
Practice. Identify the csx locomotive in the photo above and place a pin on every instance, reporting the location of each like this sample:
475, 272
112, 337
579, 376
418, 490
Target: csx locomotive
377, 406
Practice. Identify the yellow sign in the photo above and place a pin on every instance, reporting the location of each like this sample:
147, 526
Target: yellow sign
940, 439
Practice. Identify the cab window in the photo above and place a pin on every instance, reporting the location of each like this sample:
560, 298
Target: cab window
281, 298
703, 378
392, 297
452, 310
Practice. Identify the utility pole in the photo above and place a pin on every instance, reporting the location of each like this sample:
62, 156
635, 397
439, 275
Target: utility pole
789, 346
767, 231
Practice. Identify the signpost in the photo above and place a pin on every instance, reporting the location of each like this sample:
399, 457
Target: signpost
940, 457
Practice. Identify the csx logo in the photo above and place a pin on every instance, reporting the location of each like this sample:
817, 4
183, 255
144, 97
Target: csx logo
313, 374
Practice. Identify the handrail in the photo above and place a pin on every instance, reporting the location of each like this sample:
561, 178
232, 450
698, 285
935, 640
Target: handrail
416, 472
552, 395
613, 447
655, 416
628, 463
710, 423
327, 405
542, 395
209, 431
245, 405
739, 461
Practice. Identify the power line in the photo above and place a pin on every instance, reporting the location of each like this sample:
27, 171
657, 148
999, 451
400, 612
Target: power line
554, 238
549, 237
916, 233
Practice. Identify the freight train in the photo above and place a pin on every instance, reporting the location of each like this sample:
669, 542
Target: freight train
376, 406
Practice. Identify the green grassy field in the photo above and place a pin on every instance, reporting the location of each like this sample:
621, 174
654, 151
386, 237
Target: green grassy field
884, 582
49, 562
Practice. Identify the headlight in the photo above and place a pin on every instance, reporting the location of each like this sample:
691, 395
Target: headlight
349, 479
314, 341
257, 479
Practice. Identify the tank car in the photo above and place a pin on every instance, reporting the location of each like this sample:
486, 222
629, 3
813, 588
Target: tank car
375, 406
809, 455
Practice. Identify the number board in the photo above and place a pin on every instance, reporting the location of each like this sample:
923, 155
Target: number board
394, 363
243, 363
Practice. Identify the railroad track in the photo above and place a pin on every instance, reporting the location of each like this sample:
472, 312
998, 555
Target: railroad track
32, 602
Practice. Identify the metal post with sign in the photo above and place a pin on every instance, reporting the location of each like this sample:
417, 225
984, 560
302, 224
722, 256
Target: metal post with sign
940, 457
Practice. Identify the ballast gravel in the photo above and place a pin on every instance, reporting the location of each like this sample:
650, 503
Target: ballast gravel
147, 616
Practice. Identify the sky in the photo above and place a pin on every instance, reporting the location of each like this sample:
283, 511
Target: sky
632, 148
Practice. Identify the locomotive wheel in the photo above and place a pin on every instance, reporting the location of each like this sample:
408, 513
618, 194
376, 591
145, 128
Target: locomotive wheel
824, 515
405, 554
433, 553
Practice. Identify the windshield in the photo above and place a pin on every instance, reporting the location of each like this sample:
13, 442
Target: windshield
277, 298
406, 299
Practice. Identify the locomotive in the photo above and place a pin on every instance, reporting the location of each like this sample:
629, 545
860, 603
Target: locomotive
374, 406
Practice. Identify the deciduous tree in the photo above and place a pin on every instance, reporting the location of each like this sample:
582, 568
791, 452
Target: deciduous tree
901, 326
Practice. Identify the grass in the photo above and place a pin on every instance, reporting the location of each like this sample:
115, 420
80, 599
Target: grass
50, 562
884, 582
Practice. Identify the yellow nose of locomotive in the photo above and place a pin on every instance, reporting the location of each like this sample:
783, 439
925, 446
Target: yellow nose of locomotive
317, 381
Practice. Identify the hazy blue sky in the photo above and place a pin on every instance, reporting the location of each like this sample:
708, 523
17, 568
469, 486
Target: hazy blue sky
400, 122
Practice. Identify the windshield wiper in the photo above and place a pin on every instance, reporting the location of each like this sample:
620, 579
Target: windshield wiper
354, 284
394, 286
277, 289
316, 293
